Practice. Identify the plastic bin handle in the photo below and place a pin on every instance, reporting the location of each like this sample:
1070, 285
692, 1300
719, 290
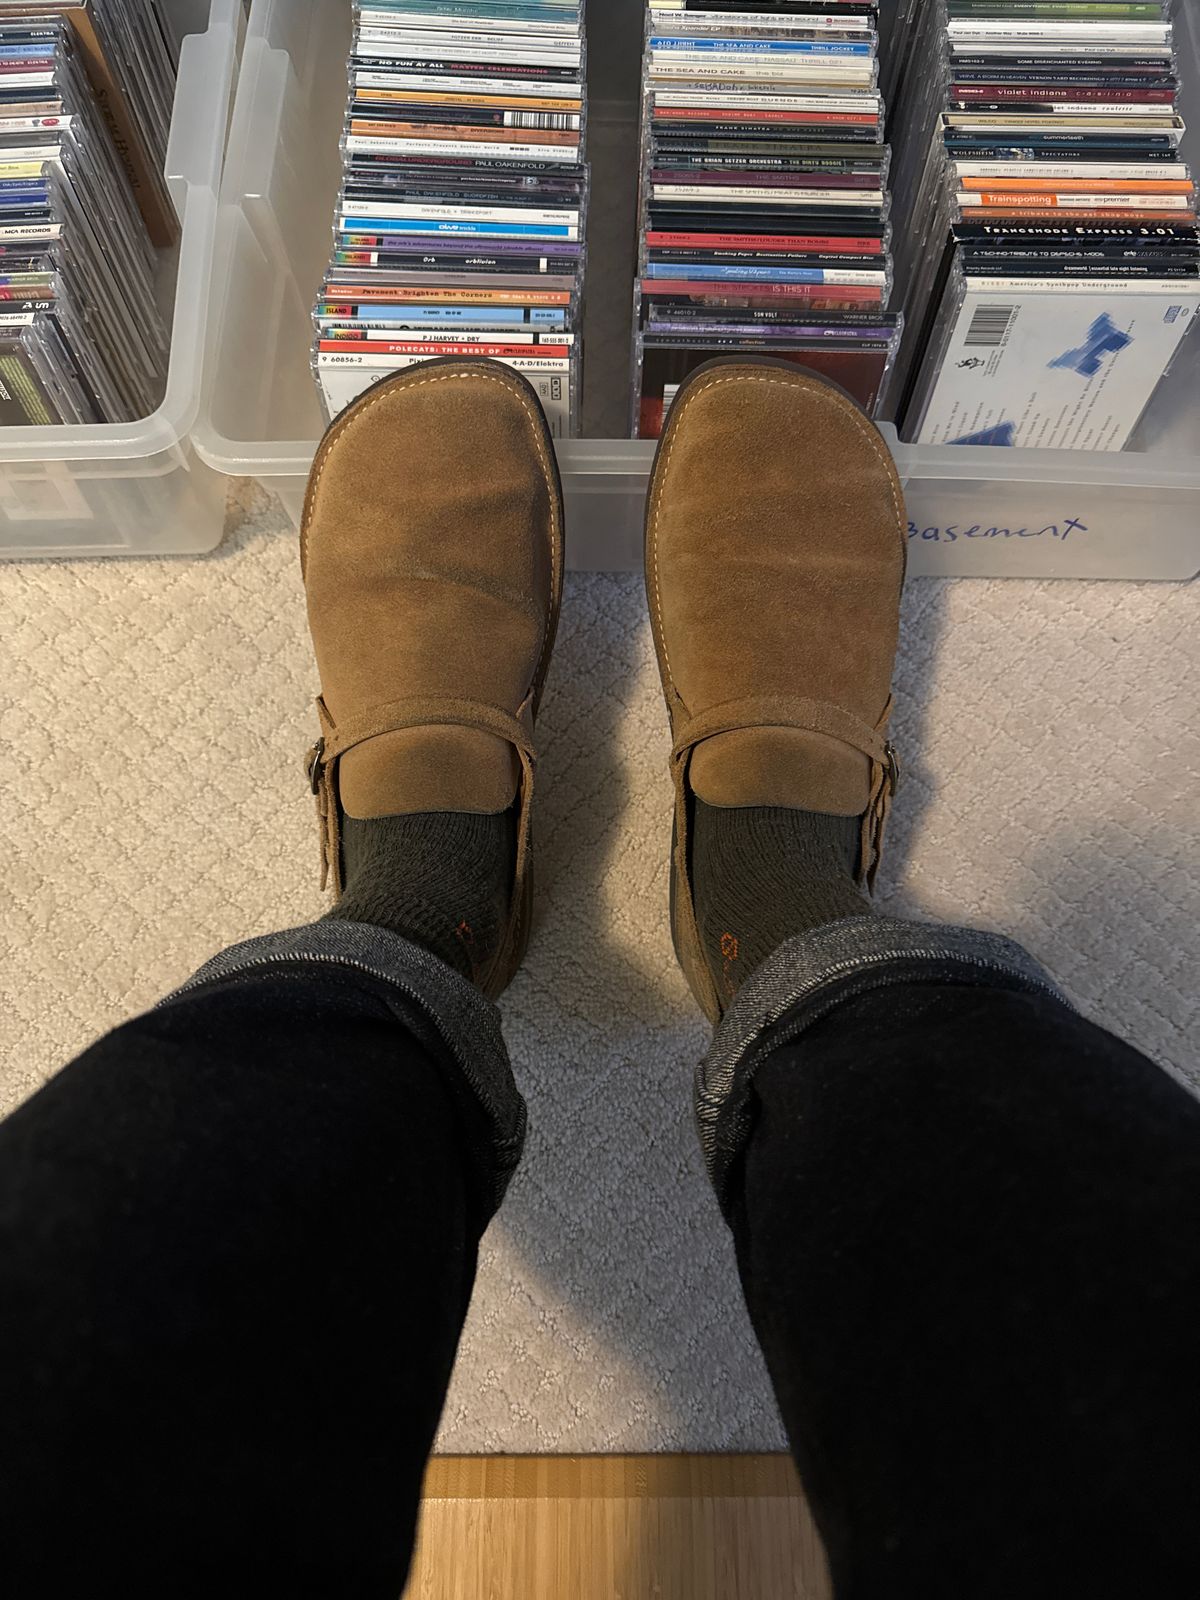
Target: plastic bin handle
196, 150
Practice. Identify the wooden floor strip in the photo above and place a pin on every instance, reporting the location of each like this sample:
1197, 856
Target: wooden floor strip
617, 1528
610, 1477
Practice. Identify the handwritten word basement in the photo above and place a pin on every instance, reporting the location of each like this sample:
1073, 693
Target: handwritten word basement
952, 532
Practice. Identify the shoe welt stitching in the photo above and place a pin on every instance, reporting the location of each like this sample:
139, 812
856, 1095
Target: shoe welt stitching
539, 442
864, 426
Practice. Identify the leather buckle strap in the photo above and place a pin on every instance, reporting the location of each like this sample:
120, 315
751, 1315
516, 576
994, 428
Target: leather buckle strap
803, 716
785, 711
400, 716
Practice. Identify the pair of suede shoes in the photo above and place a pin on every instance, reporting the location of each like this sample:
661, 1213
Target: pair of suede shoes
433, 554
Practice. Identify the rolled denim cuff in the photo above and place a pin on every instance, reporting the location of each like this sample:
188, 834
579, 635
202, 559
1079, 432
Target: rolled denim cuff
420, 988
806, 979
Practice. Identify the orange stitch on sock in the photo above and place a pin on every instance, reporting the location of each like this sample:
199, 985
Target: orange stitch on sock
730, 949
466, 933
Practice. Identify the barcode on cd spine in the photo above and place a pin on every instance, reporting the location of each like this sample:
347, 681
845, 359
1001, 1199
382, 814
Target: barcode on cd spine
989, 327
556, 121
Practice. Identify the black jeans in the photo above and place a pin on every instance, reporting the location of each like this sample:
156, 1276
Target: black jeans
238, 1236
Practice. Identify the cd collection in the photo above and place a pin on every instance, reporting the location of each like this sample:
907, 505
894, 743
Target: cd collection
131, 51
1021, 274
81, 91
765, 208
1053, 266
461, 221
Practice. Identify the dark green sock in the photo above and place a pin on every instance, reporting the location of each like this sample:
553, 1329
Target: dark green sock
762, 875
442, 879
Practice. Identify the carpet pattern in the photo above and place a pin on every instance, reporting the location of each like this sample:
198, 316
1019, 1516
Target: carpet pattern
154, 809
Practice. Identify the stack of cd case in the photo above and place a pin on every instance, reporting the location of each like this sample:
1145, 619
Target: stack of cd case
765, 208
461, 222
130, 50
1053, 267
81, 339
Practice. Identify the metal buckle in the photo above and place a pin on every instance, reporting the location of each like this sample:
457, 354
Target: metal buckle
895, 771
316, 766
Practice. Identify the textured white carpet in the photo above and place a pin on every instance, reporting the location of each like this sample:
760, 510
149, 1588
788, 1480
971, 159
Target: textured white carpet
152, 808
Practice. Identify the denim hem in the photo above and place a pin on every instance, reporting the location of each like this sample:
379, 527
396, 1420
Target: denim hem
808, 977
465, 1022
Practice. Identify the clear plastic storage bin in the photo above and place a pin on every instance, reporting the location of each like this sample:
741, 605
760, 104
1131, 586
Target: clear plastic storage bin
974, 511
139, 488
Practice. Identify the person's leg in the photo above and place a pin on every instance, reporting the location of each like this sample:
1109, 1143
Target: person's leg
968, 1223
237, 1239
237, 1244
968, 1229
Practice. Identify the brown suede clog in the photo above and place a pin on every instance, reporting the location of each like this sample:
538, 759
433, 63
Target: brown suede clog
432, 551
775, 560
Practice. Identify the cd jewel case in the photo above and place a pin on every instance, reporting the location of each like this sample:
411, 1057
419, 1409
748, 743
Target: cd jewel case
461, 223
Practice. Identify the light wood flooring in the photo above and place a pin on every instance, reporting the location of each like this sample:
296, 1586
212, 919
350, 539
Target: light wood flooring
617, 1528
